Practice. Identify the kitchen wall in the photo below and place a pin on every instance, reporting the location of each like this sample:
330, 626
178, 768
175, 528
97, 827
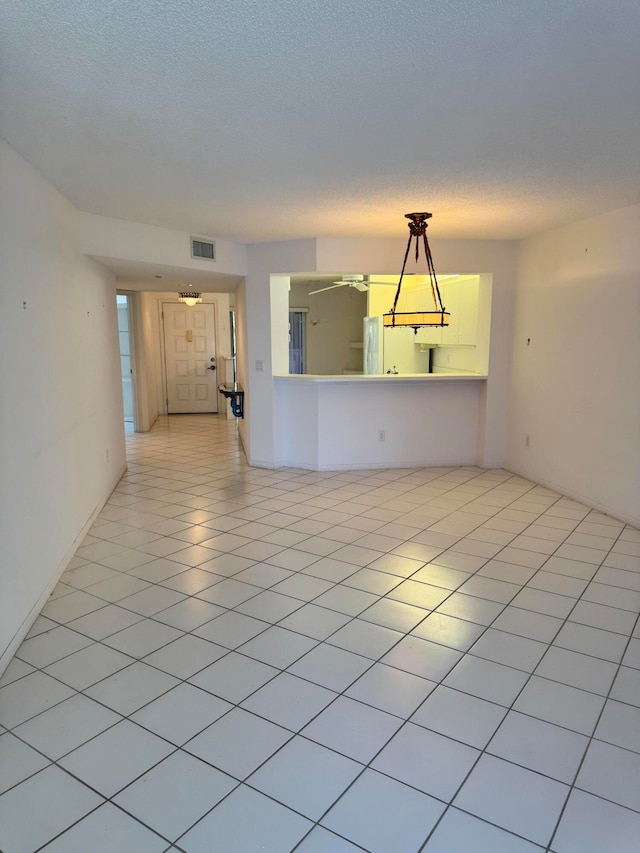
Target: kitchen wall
574, 421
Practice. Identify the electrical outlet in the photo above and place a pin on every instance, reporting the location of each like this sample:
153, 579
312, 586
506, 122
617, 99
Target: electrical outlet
259, 365
382, 435
527, 440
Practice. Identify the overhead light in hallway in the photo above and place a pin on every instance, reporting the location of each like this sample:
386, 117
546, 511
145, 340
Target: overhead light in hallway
190, 297
433, 316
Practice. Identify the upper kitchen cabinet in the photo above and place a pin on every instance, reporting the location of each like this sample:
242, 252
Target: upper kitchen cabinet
460, 297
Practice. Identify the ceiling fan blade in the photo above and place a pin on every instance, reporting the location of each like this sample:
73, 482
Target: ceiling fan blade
408, 276
331, 287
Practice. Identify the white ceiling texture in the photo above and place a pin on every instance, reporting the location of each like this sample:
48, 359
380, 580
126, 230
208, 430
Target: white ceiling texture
264, 120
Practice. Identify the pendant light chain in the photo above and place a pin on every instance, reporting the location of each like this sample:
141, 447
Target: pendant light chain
406, 255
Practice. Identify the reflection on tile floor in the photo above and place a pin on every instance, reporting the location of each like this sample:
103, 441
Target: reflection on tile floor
239, 659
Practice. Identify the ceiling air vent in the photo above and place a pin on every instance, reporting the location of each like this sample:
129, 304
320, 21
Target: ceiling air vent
203, 249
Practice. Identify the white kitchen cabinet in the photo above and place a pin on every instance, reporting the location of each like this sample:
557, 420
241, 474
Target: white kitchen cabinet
460, 298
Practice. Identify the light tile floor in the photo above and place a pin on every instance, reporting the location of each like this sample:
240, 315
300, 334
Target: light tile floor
239, 659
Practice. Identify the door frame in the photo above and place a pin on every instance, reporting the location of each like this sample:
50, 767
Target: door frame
163, 355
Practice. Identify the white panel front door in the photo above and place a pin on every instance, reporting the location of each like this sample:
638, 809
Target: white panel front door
189, 344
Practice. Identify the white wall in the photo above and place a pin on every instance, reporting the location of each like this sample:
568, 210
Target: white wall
256, 303
296, 437
148, 363
332, 425
61, 429
575, 388
116, 239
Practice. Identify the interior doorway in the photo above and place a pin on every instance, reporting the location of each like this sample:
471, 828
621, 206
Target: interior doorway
126, 362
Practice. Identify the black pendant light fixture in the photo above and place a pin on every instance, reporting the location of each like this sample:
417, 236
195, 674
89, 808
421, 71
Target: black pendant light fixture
432, 316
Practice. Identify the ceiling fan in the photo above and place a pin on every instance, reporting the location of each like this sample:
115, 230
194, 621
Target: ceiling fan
356, 281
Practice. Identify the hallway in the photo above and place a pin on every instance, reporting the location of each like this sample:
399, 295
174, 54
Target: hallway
240, 659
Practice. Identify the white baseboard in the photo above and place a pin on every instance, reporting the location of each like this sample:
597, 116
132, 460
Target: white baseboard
369, 466
258, 463
15, 642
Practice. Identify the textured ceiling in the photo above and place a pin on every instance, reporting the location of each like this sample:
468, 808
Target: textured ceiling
277, 119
